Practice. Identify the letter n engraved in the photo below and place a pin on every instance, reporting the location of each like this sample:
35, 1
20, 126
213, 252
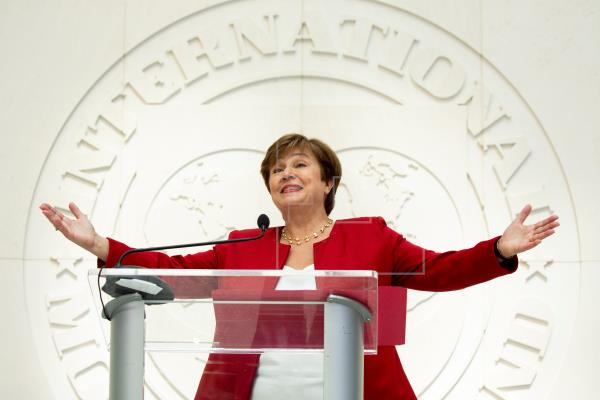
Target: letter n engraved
249, 34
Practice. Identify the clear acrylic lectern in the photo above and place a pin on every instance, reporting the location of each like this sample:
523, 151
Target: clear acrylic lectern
238, 311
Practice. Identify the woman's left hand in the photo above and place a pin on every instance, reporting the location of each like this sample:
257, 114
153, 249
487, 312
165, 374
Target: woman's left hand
519, 237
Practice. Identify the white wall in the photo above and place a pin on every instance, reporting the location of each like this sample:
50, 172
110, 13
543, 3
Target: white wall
540, 61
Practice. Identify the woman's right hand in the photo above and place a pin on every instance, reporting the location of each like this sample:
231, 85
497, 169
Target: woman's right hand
79, 230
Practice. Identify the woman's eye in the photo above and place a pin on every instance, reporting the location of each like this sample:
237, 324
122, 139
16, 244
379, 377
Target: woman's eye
276, 170
300, 165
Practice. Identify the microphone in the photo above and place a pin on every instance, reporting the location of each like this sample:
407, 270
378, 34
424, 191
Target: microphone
152, 287
263, 222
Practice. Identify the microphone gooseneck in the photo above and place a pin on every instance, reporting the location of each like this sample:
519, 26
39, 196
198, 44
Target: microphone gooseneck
262, 222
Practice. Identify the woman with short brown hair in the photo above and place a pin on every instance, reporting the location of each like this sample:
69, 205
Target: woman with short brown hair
302, 175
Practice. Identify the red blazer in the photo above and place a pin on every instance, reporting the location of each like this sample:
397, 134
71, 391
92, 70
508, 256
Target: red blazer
358, 243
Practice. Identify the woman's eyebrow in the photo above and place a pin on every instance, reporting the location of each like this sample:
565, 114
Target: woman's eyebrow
299, 154
280, 160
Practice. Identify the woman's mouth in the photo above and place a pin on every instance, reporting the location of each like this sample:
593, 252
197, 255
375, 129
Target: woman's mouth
291, 188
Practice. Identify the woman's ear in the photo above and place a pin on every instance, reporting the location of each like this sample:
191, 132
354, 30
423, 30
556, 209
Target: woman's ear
329, 186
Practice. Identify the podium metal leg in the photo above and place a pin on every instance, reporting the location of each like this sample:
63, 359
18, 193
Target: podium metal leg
344, 349
126, 347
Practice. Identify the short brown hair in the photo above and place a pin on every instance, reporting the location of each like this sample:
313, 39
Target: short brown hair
331, 169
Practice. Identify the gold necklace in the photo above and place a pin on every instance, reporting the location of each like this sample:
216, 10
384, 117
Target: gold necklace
297, 241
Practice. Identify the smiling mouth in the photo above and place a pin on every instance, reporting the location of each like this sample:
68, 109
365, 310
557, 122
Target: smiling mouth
291, 189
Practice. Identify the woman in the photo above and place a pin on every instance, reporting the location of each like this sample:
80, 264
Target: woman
302, 175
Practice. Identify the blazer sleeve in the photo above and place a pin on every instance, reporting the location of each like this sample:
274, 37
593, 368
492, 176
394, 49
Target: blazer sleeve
418, 268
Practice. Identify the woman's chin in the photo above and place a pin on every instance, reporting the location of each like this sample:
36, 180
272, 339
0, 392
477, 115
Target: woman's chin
298, 203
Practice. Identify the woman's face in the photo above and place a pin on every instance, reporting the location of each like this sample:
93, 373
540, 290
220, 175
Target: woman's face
295, 181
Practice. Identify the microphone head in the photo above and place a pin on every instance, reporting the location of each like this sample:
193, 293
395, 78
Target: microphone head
263, 222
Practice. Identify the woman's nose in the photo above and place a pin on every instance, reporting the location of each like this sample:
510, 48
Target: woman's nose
287, 174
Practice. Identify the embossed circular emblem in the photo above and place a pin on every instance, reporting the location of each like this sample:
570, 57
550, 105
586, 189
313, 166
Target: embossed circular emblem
431, 137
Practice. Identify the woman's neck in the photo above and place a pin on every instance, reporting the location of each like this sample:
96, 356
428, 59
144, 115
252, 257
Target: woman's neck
302, 223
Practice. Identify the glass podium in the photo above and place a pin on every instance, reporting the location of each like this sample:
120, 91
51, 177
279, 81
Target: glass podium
243, 312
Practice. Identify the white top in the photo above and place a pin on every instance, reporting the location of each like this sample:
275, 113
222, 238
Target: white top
290, 376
